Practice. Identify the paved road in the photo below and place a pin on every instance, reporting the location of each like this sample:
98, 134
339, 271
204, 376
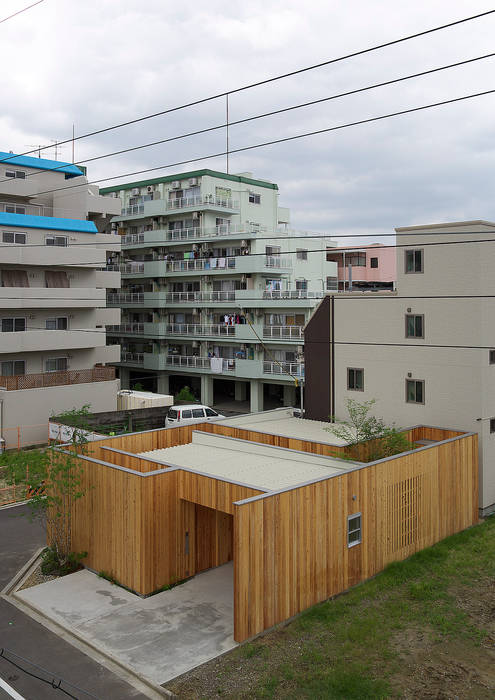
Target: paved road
19, 540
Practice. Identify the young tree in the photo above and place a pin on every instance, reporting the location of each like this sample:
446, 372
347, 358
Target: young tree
360, 427
54, 481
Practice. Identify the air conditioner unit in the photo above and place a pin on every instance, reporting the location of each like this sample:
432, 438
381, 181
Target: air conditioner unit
176, 185
195, 215
150, 188
135, 191
193, 181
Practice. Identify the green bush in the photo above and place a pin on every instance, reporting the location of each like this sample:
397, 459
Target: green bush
52, 563
185, 394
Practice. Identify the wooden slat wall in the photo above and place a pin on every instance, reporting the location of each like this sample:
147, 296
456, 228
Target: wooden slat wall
290, 549
212, 493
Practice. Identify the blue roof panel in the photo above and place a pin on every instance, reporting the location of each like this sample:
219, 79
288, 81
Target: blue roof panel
50, 223
40, 163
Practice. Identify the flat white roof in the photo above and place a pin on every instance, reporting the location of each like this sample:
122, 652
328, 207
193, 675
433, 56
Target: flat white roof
281, 421
259, 466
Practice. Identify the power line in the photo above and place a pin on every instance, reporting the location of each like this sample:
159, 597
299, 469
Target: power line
361, 52
275, 141
18, 13
267, 114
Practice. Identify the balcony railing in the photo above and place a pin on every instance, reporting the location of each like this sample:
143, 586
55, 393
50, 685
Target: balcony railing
293, 294
296, 369
276, 261
195, 329
47, 379
132, 211
31, 209
201, 200
198, 362
134, 328
200, 264
115, 299
186, 234
132, 358
183, 297
130, 238
295, 332
132, 268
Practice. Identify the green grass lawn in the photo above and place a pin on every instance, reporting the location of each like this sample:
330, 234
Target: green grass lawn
424, 628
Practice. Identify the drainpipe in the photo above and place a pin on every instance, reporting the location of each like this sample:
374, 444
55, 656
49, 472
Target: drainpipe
350, 278
332, 351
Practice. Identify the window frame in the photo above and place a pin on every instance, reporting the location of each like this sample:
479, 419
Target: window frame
56, 359
416, 381
374, 263
359, 529
414, 250
415, 316
254, 198
13, 363
54, 244
355, 369
57, 319
19, 238
491, 357
13, 319
301, 254
492, 425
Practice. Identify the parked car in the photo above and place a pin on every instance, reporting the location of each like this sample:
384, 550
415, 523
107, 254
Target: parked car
190, 413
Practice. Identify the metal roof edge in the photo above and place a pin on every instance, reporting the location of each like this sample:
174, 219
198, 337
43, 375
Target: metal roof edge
192, 173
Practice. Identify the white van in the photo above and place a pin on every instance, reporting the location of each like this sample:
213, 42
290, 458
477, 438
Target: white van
191, 413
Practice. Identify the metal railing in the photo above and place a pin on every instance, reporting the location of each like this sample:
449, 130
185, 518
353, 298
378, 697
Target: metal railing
115, 299
132, 358
31, 209
183, 297
134, 328
131, 268
186, 234
276, 261
292, 294
200, 200
295, 332
200, 329
47, 379
132, 211
296, 369
198, 362
200, 264
130, 238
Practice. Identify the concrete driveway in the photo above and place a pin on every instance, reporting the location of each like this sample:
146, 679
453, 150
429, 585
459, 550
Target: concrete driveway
160, 637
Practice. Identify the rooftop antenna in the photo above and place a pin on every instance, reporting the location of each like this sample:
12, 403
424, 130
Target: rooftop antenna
35, 145
56, 147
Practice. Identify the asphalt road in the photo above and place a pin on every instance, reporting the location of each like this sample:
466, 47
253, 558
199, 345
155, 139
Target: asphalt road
19, 540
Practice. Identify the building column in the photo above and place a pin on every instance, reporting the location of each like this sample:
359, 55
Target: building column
289, 395
124, 375
162, 383
206, 390
240, 391
256, 396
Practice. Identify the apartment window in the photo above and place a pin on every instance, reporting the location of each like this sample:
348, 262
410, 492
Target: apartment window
491, 355
414, 326
301, 254
356, 260
492, 425
272, 250
16, 173
415, 391
414, 261
254, 198
331, 283
56, 240
14, 209
12, 237
354, 530
56, 364
13, 367
374, 262
355, 379
56, 324
302, 284
13, 325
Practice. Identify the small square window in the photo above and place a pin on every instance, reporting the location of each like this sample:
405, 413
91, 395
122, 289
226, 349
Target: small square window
254, 198
354, 530
491, 355
302, 284
373, 262
413, 261
414, 326
492, 425
301, 254
415, 391
355, 379
12, 368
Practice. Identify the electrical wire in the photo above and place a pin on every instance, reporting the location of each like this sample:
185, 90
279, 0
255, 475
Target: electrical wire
266, 81
276, 141
264, 115
19, 12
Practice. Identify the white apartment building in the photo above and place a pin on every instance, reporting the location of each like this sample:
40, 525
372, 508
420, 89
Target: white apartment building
427, 351
53, 352
216, 287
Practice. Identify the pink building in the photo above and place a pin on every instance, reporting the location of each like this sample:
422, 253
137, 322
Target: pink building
365, 268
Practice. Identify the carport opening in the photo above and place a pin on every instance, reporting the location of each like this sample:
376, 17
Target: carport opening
208, 538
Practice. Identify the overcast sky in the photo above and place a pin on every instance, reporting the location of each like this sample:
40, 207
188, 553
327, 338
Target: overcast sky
95, 63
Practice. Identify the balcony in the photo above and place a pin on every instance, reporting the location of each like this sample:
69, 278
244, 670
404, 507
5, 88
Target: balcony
293, 294
283, 332
125, 298
126, 328
30, 209
43, 340
196, 329
132, 358
195, 362
225, 231
48, 379
132, 268
295, 369
206, 201
51, 298
200, 265
192, 297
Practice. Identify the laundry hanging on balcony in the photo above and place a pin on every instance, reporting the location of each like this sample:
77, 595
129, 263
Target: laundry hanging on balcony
216, 364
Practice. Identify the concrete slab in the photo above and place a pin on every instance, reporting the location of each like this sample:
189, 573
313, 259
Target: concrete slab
159, 637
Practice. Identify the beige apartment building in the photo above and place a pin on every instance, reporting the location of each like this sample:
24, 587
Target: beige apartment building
53, 281
425, 352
